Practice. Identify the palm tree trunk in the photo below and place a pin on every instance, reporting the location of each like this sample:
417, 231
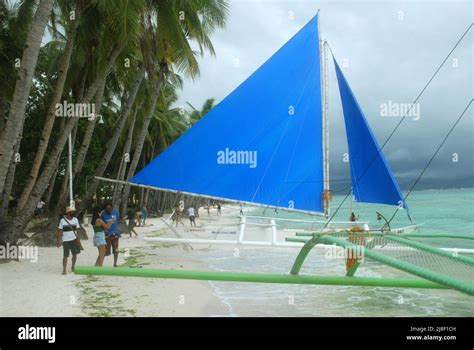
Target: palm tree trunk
123, 163
3, 104
50, 189
112, 143
29, 58
52, 182
7, 190
50, 116
156, 87
81, 154
18, 225
147, 191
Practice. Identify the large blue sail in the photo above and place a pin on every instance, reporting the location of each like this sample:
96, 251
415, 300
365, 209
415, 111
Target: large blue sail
262, 143
372, 179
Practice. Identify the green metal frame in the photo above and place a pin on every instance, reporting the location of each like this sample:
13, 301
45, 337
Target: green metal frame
308, 246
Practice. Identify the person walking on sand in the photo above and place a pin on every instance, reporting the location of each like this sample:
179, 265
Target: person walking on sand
143, 216
177, 215
132, 217
99, 235
67, 231
112, 234
218, 209
192, 217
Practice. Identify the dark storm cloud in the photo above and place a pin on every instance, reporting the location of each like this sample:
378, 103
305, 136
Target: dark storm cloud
392, 49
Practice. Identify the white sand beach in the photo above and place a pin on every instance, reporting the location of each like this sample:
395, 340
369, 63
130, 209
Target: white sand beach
34, 289
38, 289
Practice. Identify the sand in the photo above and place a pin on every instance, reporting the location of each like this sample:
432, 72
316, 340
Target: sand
34, 289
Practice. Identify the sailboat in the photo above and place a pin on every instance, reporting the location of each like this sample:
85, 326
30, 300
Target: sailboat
267, 144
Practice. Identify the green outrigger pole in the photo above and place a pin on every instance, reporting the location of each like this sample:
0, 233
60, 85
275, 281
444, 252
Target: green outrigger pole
426, 278
231, 276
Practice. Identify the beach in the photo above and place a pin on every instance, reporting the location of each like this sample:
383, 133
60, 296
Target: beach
37, 289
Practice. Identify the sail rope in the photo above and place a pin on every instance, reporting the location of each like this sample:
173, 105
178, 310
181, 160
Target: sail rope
432, 157
401, 120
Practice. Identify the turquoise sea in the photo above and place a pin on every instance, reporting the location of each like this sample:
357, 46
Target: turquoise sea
441, 211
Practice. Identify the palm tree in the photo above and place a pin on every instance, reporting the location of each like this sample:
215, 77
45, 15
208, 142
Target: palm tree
63, 70
196, 115
16, 117
199, 21
116, 38
14, 24
112, 142
155, 37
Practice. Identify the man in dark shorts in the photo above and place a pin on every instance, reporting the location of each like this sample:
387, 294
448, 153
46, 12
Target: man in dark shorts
67, 233
112, 235
192, 216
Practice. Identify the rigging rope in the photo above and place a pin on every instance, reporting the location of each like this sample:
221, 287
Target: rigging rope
401, 120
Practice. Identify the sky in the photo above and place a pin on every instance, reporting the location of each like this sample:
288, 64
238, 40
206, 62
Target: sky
389, 50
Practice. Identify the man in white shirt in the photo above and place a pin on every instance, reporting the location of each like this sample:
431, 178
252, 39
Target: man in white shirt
192, 217
39, 207
67, 230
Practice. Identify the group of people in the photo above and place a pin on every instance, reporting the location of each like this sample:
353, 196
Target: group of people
106, 235
218, 209
178, 213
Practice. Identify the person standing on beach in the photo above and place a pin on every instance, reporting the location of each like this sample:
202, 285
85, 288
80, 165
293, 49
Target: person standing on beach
132, 217
67, 230
99, 235
218, 209
192, 217
112, 234
40, 207
143, 216
177, 215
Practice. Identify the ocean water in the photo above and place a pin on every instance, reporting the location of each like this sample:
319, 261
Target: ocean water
441, 211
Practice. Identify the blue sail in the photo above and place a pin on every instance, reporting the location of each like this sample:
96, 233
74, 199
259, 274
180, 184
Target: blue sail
372, 179
262, 143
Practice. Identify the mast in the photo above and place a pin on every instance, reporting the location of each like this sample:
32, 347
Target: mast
325, 120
